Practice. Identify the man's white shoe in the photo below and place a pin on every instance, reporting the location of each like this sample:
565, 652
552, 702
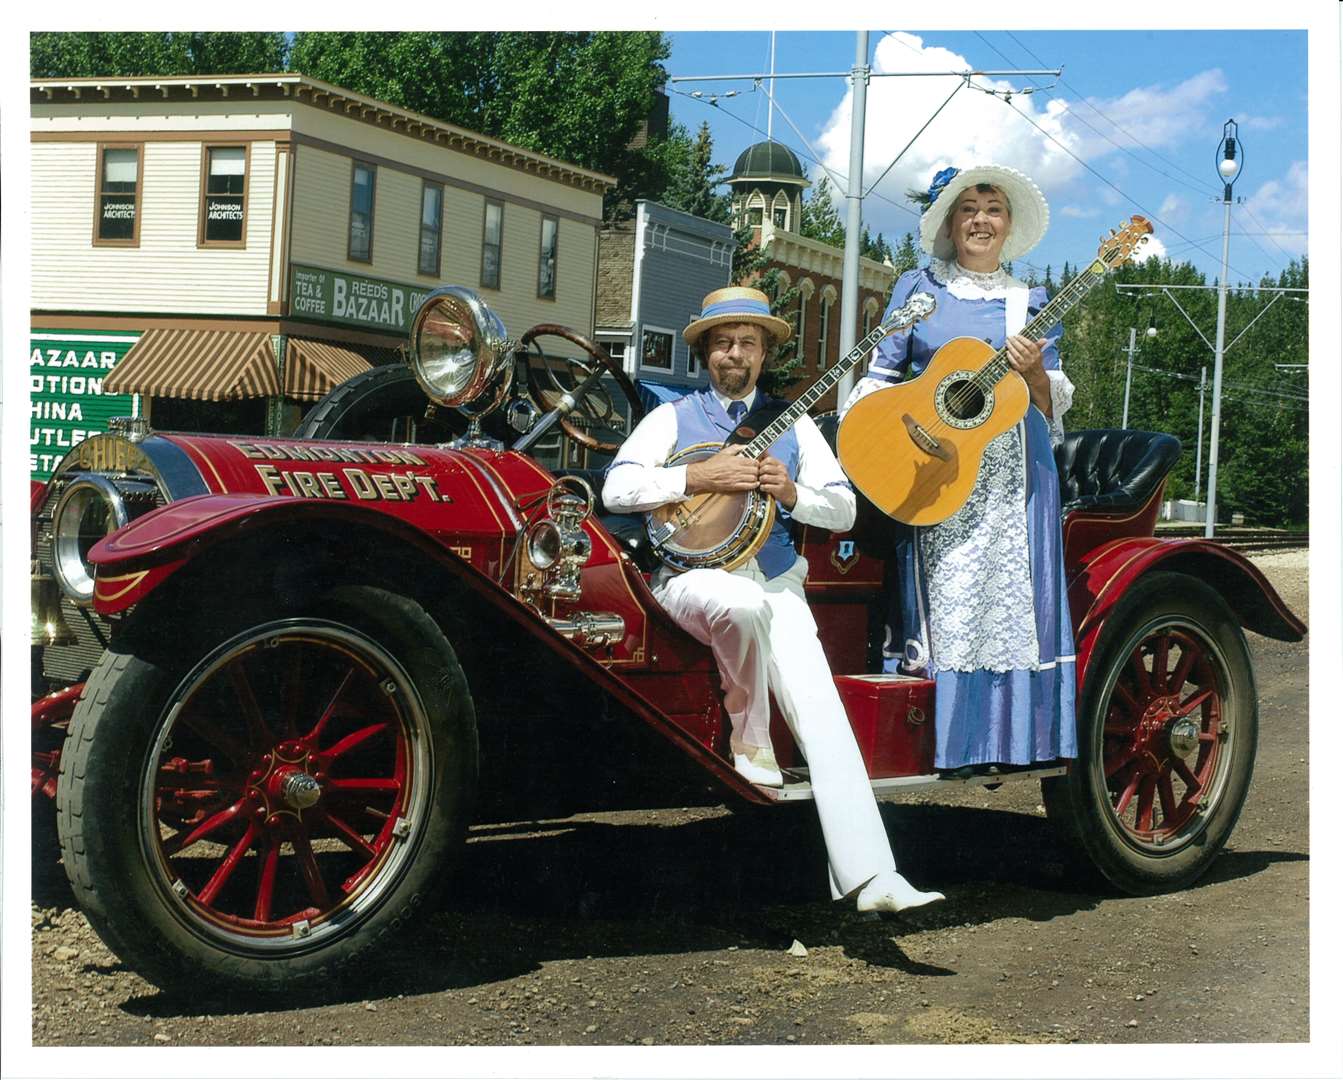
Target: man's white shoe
889, 891
757, 764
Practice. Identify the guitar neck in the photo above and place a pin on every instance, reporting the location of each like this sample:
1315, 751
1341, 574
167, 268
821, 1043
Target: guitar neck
820, 387
1049, 316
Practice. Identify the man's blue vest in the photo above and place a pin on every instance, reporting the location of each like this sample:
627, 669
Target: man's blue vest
699, 419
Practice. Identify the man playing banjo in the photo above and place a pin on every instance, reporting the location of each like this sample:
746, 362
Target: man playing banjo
755, 618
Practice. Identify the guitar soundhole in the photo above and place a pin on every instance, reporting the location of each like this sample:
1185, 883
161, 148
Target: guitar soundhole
961, 402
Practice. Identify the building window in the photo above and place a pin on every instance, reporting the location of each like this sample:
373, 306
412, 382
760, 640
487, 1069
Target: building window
867, 320
781, 217
823, 345
657, 349
118, 196
755, 215
692, 364
223, 212
545, 273
492, 244
362, 182
616, 351
431, 228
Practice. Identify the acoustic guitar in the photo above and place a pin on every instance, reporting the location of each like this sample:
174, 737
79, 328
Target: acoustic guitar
914, 449
722, 530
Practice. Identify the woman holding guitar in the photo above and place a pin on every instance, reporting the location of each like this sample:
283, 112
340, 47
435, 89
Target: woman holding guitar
982, 607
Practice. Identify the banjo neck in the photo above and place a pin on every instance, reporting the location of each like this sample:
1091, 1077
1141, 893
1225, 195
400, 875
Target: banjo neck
920, 305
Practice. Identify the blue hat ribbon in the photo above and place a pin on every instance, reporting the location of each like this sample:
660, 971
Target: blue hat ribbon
940, 181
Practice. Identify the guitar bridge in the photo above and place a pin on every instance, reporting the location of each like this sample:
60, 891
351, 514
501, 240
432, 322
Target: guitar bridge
924, 440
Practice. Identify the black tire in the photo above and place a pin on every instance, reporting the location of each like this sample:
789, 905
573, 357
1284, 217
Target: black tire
165, 746
1179, 758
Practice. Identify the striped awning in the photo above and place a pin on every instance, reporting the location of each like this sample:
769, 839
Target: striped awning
203, 365
313, 367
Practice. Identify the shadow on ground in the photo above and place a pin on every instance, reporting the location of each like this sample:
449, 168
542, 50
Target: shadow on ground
529, 893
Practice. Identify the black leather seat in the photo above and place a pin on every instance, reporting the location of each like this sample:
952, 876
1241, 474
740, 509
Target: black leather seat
1113, 470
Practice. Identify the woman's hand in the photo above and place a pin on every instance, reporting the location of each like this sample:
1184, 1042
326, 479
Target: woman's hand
1027, 358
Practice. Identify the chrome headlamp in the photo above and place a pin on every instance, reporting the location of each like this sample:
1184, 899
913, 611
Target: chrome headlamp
458, 346
89, 509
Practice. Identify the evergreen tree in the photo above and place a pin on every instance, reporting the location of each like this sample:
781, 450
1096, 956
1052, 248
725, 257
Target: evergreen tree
906, 256
694, 177
820, 219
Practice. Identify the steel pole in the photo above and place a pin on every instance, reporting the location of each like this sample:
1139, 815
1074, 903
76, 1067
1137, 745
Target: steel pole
1198, 451
1128, 375
848, 302
1216, 420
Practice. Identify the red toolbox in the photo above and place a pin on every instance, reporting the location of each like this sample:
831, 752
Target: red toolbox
892, 719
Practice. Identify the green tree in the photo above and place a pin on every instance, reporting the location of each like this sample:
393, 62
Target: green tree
577, 96
906, 256
693, 177
820, 219
55, 55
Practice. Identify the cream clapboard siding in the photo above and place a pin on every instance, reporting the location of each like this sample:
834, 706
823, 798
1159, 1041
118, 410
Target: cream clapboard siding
321, 232
167, 273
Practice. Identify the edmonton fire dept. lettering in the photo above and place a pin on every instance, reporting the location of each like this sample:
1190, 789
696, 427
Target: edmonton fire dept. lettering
357, 455
363, 486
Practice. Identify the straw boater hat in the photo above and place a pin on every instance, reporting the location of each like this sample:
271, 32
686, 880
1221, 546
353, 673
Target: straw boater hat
1030, 212
737, 304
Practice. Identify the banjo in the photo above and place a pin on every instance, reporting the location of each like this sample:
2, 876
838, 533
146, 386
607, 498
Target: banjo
721, 530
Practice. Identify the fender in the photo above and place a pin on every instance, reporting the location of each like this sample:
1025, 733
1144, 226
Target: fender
134, 561
37, 491
1107, 572
137, 560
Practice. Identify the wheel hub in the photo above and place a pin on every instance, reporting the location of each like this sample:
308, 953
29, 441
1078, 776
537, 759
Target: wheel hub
1183, 737
299, 790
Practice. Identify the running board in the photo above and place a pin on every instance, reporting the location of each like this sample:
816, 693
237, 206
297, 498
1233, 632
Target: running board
797, 786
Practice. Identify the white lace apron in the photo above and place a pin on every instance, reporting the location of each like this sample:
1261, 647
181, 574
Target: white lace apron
981, 610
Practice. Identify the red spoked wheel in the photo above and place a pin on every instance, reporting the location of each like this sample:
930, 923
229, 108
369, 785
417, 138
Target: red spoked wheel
288, 770
298, 791
1167, 731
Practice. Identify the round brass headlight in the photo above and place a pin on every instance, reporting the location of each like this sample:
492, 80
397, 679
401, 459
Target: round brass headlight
457, 345
89, 509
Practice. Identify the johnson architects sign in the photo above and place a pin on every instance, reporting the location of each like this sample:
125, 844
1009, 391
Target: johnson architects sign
375, 303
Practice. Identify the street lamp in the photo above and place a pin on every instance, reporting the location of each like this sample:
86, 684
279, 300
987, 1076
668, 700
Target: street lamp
1229, 164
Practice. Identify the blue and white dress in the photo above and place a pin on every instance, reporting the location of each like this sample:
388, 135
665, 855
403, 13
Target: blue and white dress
982, 604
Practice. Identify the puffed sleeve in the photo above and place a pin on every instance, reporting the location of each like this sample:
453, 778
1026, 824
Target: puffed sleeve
891, 356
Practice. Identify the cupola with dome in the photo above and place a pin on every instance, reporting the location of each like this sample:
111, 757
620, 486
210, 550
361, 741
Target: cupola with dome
767, 182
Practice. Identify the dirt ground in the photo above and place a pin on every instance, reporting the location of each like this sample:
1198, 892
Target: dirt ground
711, 927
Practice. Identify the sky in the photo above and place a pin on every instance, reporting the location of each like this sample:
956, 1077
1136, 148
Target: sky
1132, 125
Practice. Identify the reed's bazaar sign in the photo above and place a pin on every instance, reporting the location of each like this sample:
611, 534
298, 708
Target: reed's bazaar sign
66, 403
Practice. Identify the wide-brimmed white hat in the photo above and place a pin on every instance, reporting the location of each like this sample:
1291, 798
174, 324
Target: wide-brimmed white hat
1030, 212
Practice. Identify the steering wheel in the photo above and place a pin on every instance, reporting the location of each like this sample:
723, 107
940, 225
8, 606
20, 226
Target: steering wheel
549, 378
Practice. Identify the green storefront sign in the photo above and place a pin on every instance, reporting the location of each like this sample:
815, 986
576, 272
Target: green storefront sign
66, 402
373, 303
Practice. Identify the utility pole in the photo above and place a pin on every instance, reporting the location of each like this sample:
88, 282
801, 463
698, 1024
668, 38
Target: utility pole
1128, 374
848, 297
1198, 451
1228, 168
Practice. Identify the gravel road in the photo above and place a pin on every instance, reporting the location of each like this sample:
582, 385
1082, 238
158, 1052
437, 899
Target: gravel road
709, 927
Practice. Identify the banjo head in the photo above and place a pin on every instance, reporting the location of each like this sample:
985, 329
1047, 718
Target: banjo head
712, 529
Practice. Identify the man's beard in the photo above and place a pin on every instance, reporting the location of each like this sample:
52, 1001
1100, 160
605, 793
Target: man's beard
733, 381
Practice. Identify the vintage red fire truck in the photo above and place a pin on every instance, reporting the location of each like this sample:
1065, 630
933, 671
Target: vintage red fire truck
276, 679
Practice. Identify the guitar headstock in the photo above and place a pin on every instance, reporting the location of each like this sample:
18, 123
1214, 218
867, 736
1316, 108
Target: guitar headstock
1117, 248
919, 306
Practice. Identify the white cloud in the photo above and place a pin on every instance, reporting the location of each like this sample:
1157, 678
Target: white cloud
1151, 249
1278, 207
1080, 212
1037, 134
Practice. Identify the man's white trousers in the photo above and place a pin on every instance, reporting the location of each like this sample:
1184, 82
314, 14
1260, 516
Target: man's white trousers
764, 639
